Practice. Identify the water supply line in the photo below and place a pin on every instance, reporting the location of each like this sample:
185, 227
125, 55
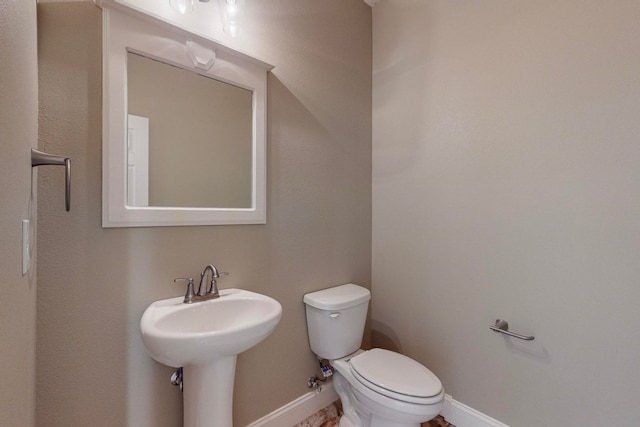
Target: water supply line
314, 382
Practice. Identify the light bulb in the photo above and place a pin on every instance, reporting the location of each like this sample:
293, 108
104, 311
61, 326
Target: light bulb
182, 6
232, 30
231, 12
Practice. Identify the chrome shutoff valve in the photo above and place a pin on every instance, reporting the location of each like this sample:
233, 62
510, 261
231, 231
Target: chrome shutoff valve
176, 378
314, 383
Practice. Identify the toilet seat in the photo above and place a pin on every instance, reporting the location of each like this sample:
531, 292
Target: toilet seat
396, 376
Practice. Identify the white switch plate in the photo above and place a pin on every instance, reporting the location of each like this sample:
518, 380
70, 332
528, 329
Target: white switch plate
26, 259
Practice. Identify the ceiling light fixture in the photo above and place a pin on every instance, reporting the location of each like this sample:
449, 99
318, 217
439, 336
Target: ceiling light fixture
231, 13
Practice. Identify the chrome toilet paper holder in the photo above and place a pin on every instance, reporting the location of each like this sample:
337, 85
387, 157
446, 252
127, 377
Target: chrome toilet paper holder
502, 326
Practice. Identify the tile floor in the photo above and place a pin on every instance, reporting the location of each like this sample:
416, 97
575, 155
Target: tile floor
329, 417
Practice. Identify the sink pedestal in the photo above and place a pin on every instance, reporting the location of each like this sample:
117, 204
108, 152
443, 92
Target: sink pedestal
205, 338
208, 393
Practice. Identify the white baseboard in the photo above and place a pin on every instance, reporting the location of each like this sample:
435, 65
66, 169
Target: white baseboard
293, 412
308, 404
461, 415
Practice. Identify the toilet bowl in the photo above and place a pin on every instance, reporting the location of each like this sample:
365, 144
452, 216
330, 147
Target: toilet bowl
378, 388
386, 389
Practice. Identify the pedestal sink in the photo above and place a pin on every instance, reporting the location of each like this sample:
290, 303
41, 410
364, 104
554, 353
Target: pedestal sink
204, 338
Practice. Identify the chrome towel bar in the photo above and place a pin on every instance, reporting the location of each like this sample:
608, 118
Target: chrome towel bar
39, 158
502, 326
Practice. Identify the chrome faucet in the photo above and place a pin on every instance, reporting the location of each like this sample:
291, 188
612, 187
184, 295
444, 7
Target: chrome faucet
213, 287
203, 293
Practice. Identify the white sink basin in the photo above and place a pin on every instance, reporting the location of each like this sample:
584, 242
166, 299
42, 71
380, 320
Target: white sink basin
204, 338
178, 334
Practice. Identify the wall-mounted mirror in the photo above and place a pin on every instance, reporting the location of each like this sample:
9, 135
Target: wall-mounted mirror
206, 126
183, 126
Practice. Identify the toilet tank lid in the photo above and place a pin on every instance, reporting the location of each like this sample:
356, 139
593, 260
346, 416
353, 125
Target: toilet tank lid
338, 297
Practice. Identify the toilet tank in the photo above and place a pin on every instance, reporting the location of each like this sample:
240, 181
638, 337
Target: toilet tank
336, 319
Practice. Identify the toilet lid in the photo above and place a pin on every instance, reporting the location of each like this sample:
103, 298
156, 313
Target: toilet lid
393, 374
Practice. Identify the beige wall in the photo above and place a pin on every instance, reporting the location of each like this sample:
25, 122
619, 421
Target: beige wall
92, 368
18, 133
506, 184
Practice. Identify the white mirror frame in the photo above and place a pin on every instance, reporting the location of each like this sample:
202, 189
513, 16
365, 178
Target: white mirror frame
126, 29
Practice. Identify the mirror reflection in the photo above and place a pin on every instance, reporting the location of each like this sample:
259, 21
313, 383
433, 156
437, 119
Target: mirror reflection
190, 138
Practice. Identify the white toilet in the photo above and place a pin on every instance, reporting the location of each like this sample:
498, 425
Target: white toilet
378, 388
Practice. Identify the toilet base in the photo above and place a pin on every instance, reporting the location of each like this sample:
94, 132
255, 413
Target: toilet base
360, 411
344, 422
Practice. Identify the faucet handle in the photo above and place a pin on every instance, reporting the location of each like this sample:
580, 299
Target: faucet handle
190, 295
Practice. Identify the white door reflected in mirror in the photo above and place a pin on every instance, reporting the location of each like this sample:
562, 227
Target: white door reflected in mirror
137, 161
